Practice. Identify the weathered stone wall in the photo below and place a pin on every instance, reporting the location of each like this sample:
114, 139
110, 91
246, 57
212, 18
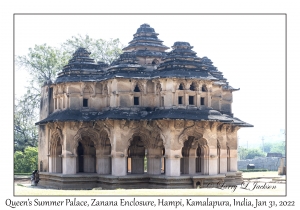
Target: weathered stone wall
120, 93
156, 136
270, 163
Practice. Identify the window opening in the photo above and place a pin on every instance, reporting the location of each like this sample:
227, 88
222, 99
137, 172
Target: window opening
85, 102
191, 100
179, 99
136, 89
202, 101
180, 86
136, 101
192, 87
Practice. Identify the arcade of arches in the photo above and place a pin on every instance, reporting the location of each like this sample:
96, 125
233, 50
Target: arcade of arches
121, 148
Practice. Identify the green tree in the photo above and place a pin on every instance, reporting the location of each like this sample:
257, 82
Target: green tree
267, 147
101, 50
242, 152
275, 147
252, 153
25, 132
43, 62
279, 147
27, 161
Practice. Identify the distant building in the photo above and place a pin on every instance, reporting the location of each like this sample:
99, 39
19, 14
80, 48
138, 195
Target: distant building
100, 124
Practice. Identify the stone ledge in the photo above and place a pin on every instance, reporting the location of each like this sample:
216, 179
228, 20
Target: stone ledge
134, 181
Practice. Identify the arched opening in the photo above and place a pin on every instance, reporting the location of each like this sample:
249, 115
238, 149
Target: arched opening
155, 156
188, 160
193, 87
136, 89
195, 153
103, 154
204, 88
79, 157
198, 160
136, 156
55, 161
86, 155
181, 86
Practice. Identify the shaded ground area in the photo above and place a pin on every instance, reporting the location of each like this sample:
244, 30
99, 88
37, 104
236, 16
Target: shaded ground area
255, 183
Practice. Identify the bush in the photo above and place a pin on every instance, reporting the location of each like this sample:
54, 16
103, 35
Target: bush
27, 161
252, 153
24, 174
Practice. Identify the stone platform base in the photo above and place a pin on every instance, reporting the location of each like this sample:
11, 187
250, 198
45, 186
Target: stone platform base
133, 181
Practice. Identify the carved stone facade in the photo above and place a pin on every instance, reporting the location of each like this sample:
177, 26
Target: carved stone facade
150, 117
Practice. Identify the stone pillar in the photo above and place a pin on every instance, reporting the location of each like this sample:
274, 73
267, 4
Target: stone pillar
119, 165
58, 163
204, 164
50, 169
223, 161
88, 163
186, 99
137, 165
173, 162
154, 164
172, 166
233, 160
69, 164
208, 97
119, 149
103, 164
189, 165
213, 162
198, 99
69, 158
103, 159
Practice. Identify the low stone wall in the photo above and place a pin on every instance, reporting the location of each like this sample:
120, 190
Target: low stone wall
269, 163
93, 180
